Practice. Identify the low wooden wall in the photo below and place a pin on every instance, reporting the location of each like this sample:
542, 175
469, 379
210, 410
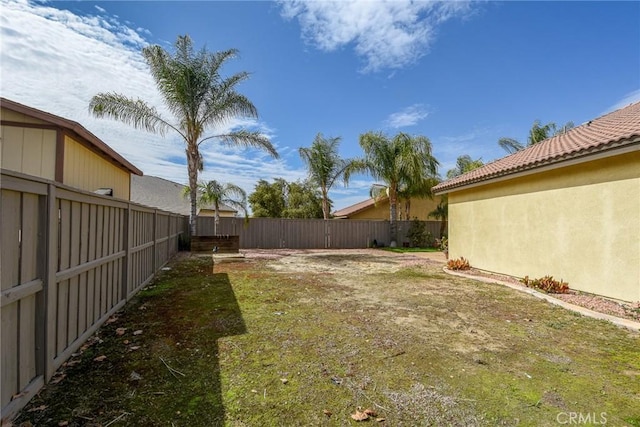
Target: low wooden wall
226, 244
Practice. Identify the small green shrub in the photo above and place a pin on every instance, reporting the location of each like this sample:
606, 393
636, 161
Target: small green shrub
418, 236
458, 264
547, 284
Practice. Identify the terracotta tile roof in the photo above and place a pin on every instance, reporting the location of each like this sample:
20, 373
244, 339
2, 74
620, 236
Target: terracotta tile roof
353, 209
76, 127
613, 130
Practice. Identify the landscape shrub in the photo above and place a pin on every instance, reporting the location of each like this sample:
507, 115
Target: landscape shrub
547, 284
418, 236
458, 264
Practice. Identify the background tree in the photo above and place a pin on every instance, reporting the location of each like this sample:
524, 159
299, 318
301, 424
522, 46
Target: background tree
441, 213
402, 162
537, 133
282, 199
197, 96
326, 166
216, 193
464, 164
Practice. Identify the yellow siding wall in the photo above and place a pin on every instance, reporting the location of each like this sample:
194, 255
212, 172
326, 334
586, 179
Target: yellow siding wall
13, 116
88, 171
28, 150
419, 208
579, 223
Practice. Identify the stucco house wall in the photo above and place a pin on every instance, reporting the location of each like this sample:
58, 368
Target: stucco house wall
419, 208
568, 206
579, 223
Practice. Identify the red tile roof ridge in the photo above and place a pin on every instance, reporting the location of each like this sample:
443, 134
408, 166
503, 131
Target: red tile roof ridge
612, 130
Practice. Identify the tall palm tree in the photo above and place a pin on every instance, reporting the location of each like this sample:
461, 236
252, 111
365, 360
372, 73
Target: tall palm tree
537, 133
197, 96
402, 162
216, 193
464, 164
326, 166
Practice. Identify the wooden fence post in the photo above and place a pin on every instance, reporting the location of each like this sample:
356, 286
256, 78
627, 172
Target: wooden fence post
155, 241
49, 286
127, 256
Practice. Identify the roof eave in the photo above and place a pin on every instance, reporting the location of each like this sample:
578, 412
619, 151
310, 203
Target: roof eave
615, 149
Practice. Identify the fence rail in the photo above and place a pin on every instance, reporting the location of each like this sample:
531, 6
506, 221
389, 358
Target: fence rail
70, 259
274, 233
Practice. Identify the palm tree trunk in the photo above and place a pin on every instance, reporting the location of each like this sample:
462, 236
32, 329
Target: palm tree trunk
192, 166
325, 203
393, 215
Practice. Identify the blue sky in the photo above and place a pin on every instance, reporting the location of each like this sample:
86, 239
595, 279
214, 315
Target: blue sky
462, 74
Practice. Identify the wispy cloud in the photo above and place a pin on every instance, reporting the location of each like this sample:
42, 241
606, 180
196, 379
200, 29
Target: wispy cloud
56, 60
387, 34
629, 98
407, 117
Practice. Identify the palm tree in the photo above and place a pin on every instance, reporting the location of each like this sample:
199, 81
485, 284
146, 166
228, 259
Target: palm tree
537, 133
464, 164
216, 193
326, 166
441, 213
403, 162
197, 96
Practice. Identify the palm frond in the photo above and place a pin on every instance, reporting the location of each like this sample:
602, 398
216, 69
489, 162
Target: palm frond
133, 112
510, 145
245, 138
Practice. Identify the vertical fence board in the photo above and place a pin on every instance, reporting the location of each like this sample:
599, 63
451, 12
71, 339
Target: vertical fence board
10, 239
27, 341
29, 244
9, 340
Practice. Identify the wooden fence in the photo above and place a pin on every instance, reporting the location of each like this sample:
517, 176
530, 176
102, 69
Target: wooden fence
70, 259
273, 233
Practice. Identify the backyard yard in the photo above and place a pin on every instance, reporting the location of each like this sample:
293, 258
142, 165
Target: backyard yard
328, 337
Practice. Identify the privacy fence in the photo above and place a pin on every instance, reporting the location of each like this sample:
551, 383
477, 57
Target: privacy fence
273, 233
70, 259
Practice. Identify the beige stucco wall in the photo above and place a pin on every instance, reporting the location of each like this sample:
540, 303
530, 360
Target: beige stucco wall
211, 212
579, 223
87, 170
419, 208
28, 150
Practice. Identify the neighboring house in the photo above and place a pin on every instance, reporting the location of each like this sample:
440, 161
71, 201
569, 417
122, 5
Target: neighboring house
372, 209
41, 144
169, 196
567, 207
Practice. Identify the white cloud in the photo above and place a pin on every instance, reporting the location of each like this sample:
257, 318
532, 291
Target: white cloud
407, 117
55, 60
629, 98
387, 34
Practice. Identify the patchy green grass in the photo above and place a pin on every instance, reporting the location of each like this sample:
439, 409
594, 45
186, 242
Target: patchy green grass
308, 339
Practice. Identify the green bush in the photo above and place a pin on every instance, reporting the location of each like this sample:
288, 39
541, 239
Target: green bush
418, 236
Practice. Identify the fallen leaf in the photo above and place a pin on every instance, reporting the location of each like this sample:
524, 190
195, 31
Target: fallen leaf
253, 390
138, 332
284, 380
120, 331
111, 319
327, 412
380, 420
57, 379
370, 412
134, 347
63, 423
38, 408
360, 416
126, 342
100, 358
73, 362
17, 396
135, 376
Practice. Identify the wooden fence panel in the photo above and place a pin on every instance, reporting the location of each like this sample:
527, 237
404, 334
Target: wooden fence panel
273, 233
68, 263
